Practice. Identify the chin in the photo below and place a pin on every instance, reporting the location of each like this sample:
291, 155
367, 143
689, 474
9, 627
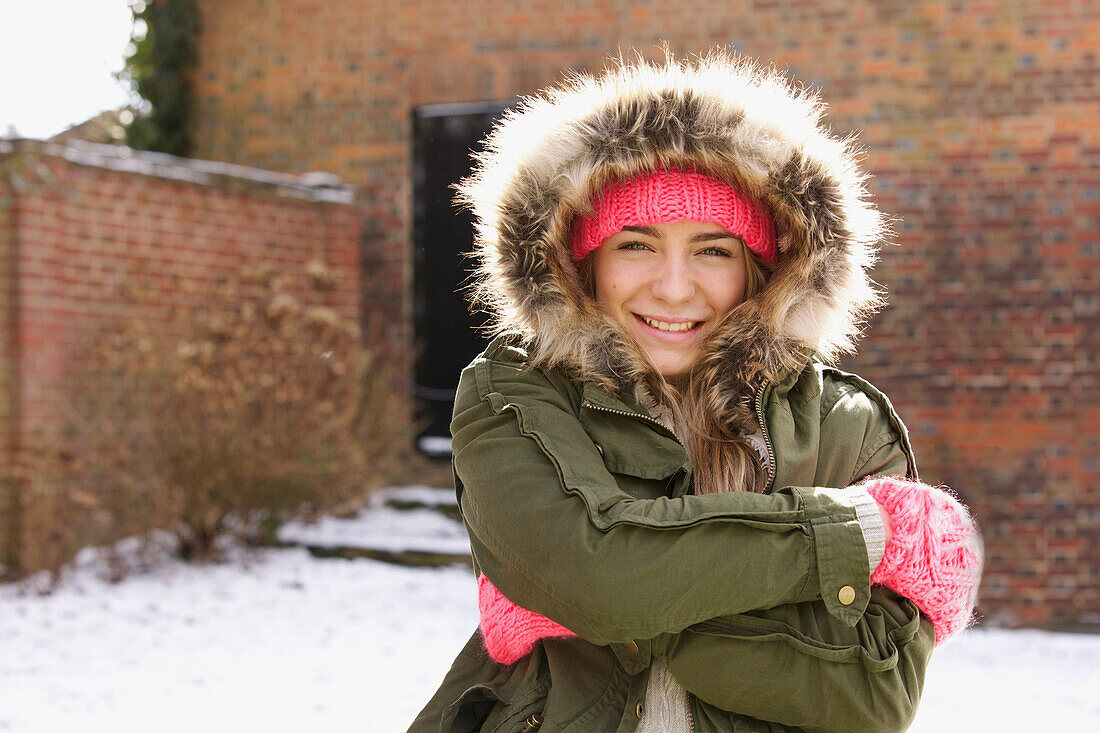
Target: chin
671, 369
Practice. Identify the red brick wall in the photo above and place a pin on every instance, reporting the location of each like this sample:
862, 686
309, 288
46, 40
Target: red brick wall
80, 234
980, 119
8, 346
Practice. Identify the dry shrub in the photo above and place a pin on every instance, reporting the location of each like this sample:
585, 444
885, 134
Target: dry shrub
249, 402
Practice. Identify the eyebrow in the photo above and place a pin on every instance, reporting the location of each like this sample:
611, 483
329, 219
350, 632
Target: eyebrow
703, 237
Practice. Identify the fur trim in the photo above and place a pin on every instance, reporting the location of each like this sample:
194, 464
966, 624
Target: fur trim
724, 117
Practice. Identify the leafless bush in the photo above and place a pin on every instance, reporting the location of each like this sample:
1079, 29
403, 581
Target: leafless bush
249, 402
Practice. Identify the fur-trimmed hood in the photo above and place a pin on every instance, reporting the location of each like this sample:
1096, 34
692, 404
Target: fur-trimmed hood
724, 117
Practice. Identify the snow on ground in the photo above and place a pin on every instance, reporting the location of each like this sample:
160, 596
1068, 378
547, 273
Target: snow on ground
383, 527
1020, 680
278, 640
282, 642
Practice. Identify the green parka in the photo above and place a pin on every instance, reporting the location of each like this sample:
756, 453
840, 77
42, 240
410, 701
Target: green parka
580, 505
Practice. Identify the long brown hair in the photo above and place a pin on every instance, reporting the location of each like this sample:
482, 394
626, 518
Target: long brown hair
721, 457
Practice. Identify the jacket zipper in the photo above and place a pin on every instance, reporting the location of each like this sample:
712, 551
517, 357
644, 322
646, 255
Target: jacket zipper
767, 438
767, 442
600, 408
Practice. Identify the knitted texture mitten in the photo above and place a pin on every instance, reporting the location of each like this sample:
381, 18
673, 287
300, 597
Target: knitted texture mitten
935, 557
510, 632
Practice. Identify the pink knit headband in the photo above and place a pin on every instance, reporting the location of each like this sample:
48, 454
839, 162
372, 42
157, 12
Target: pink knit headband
672, 195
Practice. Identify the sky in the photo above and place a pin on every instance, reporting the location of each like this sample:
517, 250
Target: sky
57, 60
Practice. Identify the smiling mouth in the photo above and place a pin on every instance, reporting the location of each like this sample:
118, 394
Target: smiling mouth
669, 326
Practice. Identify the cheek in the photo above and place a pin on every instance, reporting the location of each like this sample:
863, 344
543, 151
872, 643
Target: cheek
737, 293
728, 291
610, 284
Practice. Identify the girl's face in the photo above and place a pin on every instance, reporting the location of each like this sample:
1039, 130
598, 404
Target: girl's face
667, 286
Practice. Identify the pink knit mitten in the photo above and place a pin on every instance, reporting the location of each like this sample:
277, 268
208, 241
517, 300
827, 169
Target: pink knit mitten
510, 632
934, 558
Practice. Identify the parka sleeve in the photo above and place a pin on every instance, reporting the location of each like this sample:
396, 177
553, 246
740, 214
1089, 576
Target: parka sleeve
551, 529
796, 665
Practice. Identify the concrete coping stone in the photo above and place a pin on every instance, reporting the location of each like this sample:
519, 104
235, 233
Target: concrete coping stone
313, 186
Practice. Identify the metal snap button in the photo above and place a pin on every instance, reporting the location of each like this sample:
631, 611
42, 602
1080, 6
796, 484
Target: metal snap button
846, 595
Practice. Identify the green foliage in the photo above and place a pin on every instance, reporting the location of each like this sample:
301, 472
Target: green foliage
160, 69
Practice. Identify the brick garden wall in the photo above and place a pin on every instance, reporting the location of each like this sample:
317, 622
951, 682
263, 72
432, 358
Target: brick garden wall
8, 346
981, 124
83, 224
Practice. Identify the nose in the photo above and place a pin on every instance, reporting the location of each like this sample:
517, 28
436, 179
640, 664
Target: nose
673, 282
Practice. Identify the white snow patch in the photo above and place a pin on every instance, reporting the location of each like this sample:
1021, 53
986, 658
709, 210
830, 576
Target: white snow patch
1012, 680
415, 495
382, 527
434, 445
284, 642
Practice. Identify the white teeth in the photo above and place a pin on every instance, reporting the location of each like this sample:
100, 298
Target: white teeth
672, 327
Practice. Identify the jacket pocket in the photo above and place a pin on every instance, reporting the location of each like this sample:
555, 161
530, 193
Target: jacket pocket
628, 446
645, 463
874, 642
636, 482
485, 708
615, 457
798, 666
503, 704
469, 712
